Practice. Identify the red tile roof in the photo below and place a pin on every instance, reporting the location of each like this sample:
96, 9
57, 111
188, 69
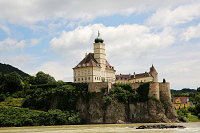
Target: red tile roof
182, 99
128, 76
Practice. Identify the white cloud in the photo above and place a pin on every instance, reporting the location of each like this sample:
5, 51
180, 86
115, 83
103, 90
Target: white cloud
5, 29
191, 32
11, 44
33, 11
34, 42
59, 70
136, 40
171, 17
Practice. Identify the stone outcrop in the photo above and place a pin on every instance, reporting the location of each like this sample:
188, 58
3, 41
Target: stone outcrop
97, 111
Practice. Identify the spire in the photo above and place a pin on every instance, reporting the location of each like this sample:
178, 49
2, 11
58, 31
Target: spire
152, 69
98, 33
98, 39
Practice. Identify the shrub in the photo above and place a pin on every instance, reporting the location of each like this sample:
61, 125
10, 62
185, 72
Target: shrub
2, 97
10, 116
62, 97
107, 100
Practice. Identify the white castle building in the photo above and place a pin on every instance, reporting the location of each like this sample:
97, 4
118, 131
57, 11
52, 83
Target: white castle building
95, 67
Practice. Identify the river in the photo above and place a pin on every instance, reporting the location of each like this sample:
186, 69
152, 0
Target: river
101, 128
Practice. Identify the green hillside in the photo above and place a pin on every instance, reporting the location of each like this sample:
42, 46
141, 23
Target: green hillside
5, 68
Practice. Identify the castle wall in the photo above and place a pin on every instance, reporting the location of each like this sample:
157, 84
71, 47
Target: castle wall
165, 94
135, 85
154, 90
96, 86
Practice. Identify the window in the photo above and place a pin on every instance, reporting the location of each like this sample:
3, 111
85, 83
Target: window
82, 79
85, 78
88, 78
78, 79
88, 72
74, 79
74, 73
78, 73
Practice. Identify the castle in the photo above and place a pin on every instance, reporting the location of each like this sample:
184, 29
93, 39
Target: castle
94, 67
152, 75
95, 70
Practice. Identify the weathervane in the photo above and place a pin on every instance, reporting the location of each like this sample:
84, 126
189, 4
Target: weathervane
98, 34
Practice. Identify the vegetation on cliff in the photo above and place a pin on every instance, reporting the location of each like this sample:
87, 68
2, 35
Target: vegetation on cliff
125, 94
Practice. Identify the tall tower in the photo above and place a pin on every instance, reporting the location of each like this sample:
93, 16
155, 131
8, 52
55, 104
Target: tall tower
154, 73
99, 51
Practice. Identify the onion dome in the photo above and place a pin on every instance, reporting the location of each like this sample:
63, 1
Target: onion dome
98, 39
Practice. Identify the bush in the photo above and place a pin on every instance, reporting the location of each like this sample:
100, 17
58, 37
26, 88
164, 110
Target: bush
2, 97
192, 110
62, 97
10, 116
143, 92
107, 100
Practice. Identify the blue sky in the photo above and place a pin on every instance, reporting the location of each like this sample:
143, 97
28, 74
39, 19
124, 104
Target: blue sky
53, 36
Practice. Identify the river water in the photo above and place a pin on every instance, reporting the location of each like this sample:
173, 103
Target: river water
102, 128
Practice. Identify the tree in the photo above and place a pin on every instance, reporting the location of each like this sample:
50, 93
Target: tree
42, 78
1, 78
198, 89
12, 82
197, 98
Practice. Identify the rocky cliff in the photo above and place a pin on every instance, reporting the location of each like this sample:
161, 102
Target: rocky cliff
96, 110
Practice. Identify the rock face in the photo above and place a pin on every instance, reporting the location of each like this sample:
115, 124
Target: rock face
95, 110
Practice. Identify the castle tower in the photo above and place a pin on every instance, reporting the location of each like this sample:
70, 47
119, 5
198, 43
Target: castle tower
99, 51
94, 67
154, 73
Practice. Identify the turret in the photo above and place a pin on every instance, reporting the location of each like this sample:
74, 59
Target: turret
99, 51
154, 73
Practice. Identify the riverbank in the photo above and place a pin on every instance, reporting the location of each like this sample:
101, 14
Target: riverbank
108, 128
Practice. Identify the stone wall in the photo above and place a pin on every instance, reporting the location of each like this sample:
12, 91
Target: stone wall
96, 86
154, 90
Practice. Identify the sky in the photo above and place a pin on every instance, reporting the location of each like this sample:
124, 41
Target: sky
53, 36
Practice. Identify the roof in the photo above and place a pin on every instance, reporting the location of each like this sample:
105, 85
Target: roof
182, 99
141, 75
136, 76
153, 70
90, 61
123, 77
